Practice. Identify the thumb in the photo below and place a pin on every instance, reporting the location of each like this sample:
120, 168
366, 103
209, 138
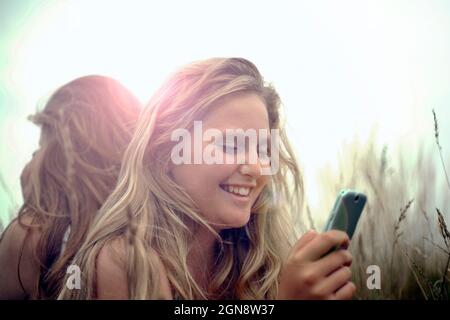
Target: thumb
304, 240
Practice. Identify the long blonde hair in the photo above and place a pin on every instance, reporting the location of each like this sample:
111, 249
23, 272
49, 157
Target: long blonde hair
86, 126
158, 217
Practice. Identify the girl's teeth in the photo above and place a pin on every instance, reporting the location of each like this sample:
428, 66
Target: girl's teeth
236, 190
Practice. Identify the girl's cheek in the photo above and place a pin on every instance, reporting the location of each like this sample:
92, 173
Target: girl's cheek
224, 171
24, 176
263, 181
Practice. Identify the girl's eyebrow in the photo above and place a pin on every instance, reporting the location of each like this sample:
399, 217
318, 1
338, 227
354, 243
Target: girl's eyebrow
224, 141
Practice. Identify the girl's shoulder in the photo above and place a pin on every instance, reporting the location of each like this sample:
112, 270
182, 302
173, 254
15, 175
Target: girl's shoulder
18, 259
111, 271
112, 281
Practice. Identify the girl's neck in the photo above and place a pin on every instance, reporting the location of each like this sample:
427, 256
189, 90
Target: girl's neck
201, 257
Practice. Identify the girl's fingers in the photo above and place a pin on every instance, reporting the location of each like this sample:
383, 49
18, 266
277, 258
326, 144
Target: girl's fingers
335, 260
323, 243
305, 239
335, 281
346, 292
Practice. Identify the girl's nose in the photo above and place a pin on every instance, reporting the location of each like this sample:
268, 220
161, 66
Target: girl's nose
251, 166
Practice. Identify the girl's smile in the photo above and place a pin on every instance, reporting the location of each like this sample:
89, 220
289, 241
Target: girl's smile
238, 193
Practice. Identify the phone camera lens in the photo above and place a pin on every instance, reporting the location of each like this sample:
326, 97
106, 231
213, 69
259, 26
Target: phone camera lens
356, 198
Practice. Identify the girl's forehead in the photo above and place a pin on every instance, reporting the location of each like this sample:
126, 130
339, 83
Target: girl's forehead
240, 111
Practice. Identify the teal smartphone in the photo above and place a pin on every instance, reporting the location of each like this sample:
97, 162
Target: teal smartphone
346, 211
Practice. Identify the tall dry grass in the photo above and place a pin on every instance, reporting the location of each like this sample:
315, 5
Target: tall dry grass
403, 227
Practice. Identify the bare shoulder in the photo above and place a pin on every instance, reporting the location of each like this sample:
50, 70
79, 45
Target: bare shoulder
17, 260
111, 271
112, 280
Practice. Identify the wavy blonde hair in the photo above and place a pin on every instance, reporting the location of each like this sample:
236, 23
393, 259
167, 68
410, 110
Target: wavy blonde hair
158, 217
86, 125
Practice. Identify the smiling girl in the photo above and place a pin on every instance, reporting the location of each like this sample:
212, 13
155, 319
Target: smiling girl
208, 230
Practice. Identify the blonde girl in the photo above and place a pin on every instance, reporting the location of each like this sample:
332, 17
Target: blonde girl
202, 229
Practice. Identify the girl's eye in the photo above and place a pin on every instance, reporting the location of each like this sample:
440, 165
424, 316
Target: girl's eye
229, 149
263, 150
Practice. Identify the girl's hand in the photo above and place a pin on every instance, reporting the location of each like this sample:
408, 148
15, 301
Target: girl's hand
308, 274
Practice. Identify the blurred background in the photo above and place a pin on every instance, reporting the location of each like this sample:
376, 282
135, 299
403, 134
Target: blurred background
358, 79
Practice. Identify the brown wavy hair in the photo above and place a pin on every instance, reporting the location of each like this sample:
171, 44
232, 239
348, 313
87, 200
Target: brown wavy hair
85, 127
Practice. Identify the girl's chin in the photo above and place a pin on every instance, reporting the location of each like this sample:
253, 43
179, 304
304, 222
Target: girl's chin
240, 220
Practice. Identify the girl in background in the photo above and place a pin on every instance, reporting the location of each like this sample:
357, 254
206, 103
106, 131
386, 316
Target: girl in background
190, 230
85, 128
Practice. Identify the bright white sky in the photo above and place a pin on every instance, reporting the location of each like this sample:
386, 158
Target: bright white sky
341, 67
